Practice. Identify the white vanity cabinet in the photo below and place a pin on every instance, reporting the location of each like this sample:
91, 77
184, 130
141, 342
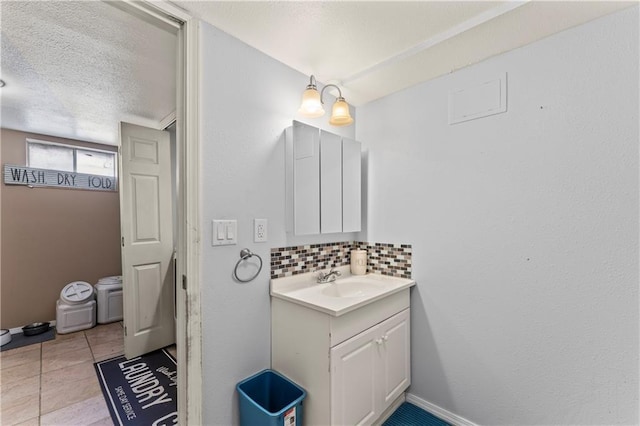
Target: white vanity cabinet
323, 182
353, 366
369, 371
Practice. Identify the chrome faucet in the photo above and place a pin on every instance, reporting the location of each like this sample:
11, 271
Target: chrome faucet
329, 277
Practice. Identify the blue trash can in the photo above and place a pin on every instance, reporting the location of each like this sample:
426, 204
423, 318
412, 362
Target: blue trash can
270, 399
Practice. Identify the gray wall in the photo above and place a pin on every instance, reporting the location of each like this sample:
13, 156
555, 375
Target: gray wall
524, 228
247, 100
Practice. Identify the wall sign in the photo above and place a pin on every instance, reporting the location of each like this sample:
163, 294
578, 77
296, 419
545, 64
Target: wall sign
21, 175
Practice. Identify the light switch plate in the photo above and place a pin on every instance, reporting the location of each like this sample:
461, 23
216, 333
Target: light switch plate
224, 232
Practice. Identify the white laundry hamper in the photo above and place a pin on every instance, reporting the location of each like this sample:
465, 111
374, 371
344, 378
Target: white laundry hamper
76, 308
109, 295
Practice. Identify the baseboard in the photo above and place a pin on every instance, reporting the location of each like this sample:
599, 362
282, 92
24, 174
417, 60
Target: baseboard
17, 330
437, 411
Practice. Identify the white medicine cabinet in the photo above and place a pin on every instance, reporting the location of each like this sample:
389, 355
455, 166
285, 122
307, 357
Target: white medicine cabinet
323, 181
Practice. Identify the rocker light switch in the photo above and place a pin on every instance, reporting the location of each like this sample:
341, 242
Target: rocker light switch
224, 232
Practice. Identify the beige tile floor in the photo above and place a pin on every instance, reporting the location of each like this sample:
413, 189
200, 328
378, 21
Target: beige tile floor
55, 383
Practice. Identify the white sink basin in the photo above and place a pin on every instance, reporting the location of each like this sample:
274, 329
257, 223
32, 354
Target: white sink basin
341, 296
352, 287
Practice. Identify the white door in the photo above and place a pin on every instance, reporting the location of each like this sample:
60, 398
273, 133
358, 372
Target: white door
351, 186
353, 380
147, 239
330, 183
395, 367
306, 179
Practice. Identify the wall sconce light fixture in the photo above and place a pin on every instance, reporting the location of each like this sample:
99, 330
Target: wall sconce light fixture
312, 105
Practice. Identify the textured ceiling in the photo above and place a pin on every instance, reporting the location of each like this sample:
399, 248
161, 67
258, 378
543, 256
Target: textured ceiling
76, 69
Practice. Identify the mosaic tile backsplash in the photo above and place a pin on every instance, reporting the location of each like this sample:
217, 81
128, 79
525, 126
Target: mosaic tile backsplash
385, 259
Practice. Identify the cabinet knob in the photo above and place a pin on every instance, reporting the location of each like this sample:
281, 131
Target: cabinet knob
385, 338
378, 341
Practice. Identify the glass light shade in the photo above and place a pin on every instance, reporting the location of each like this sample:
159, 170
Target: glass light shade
311, 106
340, 114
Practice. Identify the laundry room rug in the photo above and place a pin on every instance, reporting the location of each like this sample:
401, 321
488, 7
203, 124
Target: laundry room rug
142, 390
19, 340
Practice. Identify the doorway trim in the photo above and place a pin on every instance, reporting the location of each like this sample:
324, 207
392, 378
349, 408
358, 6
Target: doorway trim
188, 321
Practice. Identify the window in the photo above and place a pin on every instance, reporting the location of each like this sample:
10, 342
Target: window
69, 158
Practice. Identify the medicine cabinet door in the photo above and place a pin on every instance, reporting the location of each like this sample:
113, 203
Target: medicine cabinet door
351, 186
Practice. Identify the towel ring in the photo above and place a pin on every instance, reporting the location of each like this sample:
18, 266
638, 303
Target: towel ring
244, 255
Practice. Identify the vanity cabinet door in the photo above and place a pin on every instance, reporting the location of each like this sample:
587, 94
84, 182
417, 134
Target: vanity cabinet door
306, 179
354, 366
370, 371
330, 183
395, 367
351, 186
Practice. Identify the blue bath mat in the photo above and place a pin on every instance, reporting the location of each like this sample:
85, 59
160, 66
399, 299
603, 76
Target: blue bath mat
410, 415
140, 391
